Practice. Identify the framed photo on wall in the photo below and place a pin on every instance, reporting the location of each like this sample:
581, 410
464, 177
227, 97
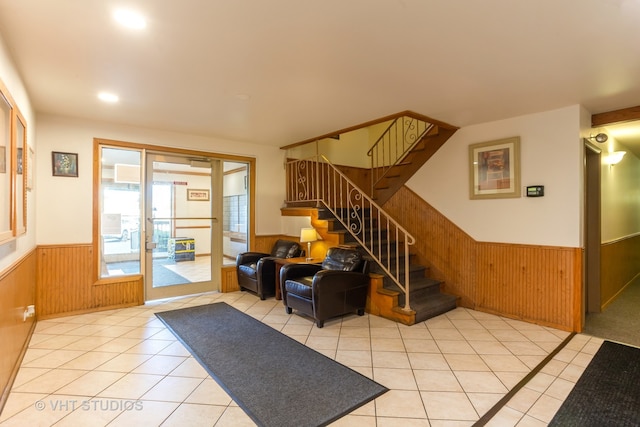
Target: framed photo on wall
197, 195
494, 169
64, 164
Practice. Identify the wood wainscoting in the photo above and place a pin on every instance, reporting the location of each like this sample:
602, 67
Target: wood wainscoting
17, 291
65, 283
620, 264
537, 284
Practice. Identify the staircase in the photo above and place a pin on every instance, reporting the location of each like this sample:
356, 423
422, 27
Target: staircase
401, 150
401, 288
401, 291
426, 298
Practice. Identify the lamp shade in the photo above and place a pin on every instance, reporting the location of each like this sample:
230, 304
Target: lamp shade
308, 235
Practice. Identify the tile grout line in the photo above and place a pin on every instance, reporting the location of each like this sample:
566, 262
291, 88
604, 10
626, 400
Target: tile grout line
507, 397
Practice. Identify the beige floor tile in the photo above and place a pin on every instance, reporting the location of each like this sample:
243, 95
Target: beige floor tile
545, 408
17, 402
446, 334
234, 417
396, 379
131, 386
390, 359
188, 414
118, 345
428, 380
428, 361
506, 417
89, 360
173, 389
483, 402
421, 346
320, 342
387, 344
159, 365
88, 343
466, 362
400, 403
54, 359
480, 382
489, 347
353, 358
209, 392
124, 362
361, 344
504, 363
448, 406
455, 347
91, 383
190, 368
352, 332
150, 414
524, 399
50, 381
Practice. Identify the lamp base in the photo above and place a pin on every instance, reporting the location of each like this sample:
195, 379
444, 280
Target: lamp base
309, 258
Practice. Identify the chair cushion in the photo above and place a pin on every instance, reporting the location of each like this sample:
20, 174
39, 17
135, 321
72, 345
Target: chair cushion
248, 269
285, 249
301, 286
344, 259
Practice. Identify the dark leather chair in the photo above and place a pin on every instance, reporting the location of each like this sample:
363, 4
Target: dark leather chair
257, 270
337, 287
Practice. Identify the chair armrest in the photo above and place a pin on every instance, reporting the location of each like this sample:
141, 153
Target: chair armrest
291, 271
249, 257
332, 281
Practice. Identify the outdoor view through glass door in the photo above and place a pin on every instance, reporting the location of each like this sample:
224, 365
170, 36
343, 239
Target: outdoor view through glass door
182, 217
173, 217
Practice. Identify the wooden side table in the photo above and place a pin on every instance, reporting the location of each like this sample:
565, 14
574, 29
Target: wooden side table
283, 261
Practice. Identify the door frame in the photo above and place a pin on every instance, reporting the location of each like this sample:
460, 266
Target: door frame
100, 142
591, 297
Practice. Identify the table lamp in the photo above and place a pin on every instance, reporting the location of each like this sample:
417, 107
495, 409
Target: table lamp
308, 235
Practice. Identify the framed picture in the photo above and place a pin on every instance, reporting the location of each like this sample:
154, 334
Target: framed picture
494, 169
197, 195
64, 164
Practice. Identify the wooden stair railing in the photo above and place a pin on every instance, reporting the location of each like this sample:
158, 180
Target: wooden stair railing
316, 180
407, 143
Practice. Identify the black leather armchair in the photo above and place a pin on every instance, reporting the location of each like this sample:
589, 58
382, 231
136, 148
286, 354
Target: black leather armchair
257, 270
338, 286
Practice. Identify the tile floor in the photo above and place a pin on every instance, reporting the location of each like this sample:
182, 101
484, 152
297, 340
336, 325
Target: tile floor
123, 368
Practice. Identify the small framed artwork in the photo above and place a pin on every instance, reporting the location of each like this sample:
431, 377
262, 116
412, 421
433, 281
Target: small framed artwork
64, 164
494, 169
197, 195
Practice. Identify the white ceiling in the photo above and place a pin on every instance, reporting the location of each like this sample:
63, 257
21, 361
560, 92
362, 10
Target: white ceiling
311, 67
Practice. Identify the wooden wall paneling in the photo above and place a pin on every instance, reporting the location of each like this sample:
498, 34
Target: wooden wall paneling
620, 261
538, 284
120, 292
532, 283
17, 287
65, 283
441, 245
229, 279
64, 278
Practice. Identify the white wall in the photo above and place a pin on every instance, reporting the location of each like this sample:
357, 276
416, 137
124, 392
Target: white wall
551, 155
67, 202
11, 251
620, 194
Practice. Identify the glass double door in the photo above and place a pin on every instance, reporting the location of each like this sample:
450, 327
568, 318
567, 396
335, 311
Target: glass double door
182, 229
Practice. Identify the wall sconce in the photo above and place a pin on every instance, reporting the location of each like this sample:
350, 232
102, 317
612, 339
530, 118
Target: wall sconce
308, 235
615, 157
600, 137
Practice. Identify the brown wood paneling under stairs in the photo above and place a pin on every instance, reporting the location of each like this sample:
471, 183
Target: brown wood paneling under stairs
538, 284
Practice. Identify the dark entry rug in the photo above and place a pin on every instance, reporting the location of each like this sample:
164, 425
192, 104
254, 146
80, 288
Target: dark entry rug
275, 379
607, 393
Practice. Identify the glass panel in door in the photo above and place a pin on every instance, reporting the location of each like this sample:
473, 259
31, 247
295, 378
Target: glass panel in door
180, 226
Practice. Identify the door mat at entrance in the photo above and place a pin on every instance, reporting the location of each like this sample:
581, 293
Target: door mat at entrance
275, 379
607, 393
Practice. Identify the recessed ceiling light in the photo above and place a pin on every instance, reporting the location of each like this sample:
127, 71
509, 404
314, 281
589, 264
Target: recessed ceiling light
130, 19
108, 97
